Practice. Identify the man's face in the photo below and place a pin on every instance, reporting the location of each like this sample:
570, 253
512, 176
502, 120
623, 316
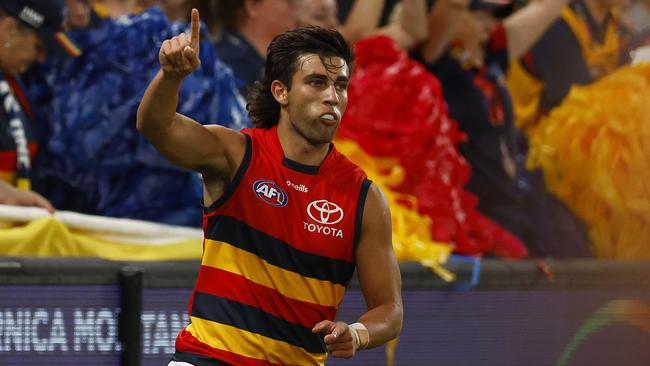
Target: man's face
278, 16
318, 97
322, 13
21, 48
78, 14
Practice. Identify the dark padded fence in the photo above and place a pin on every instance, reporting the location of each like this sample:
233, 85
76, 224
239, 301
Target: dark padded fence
86, 311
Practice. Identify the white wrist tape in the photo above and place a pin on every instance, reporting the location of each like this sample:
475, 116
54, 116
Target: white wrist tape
355, 338
360, 335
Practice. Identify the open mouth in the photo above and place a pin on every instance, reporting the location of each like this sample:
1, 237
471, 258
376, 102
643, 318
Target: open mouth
329, 118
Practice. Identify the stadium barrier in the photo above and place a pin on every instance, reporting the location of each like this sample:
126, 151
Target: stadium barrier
88, 311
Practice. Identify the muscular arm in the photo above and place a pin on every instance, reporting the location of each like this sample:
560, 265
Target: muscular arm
378, 271
211, 150
380, 281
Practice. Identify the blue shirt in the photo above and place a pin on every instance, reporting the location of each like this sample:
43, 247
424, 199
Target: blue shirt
246, 63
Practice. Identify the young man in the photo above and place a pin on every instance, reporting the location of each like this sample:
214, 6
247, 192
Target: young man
287, 217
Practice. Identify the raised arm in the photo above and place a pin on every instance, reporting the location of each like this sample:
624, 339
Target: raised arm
362, 20
444, 20
380, 281
526, 26
211, 150
412, 28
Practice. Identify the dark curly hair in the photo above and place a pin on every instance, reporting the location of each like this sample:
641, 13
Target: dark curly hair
282, 62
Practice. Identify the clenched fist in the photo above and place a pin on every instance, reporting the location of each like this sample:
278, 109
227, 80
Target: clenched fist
179, 56
338, 338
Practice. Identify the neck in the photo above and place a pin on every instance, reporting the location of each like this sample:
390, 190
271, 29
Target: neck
295, 147
597, 9
258, 38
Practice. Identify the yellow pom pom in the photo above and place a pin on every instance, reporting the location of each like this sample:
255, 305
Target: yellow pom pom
594, 150
411, 231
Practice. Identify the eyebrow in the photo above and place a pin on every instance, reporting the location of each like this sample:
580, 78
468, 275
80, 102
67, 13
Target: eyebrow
340, 78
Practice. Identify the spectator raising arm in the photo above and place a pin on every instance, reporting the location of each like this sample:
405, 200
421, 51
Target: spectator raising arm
411, 29
526, 26
364, 18
523, 28
443, 24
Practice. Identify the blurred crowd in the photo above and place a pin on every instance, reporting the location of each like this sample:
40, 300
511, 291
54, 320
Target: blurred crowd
461, 95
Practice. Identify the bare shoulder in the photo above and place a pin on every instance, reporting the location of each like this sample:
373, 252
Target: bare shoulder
376, 229
225, 134
233, 142
376, 210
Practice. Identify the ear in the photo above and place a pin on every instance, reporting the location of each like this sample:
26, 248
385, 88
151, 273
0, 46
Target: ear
250, 8
279, 92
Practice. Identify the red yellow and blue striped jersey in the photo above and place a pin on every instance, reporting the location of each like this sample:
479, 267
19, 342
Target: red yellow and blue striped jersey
277, 256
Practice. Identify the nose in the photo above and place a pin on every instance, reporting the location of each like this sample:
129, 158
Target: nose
331, 96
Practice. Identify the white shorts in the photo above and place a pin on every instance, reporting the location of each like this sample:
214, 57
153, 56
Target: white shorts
178, 363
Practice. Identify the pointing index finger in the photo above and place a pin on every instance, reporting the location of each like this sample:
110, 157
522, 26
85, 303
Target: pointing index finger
195, 30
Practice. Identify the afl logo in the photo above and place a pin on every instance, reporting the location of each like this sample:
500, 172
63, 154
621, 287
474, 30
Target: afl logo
325, 212
270, 193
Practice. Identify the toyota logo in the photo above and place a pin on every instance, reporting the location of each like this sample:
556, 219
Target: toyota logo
325, 212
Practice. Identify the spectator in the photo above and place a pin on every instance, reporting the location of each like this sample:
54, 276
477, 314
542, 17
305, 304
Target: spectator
579, 48
79, 13
29, 30
363, 19
92, 160
249, 26
178, 10
471, 70
323, 13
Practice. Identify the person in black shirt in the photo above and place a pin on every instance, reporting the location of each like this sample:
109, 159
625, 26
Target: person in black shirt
469, 50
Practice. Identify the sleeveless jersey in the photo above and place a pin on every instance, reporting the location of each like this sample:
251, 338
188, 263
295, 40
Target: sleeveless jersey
277, 257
